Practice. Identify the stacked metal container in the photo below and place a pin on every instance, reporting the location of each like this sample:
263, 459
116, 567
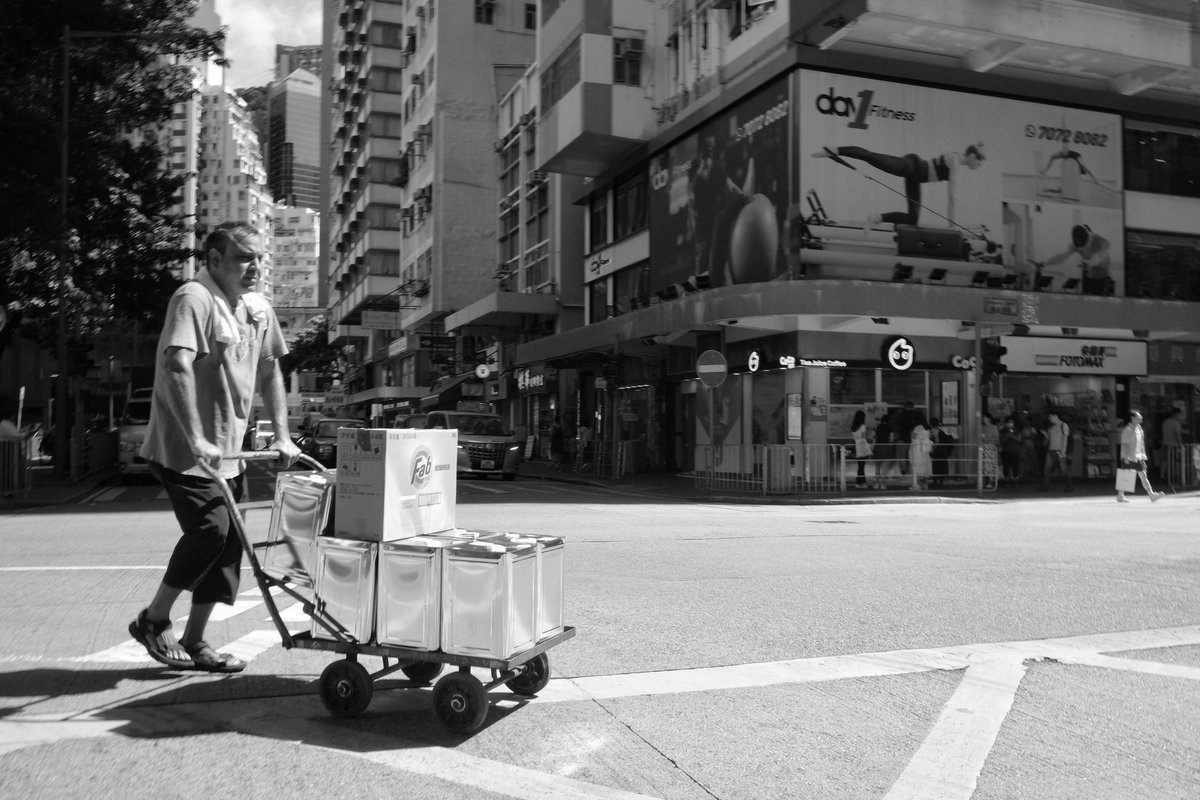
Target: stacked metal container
409, 599
345, 587
489, 606
300, 513
548, 581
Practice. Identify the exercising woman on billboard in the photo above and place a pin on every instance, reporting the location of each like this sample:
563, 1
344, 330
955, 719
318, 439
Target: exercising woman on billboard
915, 171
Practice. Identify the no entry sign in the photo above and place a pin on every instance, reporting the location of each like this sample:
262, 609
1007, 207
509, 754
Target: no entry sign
711, 368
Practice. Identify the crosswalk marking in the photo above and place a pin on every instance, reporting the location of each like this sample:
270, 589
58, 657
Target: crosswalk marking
131, 651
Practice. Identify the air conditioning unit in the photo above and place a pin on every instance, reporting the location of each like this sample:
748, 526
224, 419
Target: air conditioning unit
536, 178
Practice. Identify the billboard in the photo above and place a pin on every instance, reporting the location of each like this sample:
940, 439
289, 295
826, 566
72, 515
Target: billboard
899, 182
719, 196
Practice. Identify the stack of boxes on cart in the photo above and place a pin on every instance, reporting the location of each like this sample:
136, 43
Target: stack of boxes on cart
376, 541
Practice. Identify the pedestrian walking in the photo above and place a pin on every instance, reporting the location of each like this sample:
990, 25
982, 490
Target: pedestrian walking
1133, 460
885, 449
1010, 451
220, 343
1172, 464
1058, 442
862, 446
920, 452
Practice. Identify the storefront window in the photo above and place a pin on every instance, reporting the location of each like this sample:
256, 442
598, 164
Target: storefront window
852, 386
900, 387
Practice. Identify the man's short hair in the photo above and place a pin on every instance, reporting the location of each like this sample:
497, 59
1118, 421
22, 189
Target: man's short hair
220, 236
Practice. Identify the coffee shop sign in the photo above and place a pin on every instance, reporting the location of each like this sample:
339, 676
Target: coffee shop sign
527, 380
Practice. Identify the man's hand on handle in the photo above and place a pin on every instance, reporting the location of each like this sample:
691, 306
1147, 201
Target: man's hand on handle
288, 452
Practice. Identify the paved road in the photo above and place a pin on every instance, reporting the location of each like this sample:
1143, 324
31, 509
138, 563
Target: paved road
1034, 649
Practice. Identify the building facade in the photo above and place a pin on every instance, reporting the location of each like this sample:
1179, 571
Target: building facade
233, 180
866, 203
293, 139
295, 277
289, 58
411, 234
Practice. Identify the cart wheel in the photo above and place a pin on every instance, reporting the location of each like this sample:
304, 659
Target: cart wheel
346, 688
422, 671
534, 678
460, 702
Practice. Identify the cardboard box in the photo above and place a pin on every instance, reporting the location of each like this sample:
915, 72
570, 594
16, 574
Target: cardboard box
395, 483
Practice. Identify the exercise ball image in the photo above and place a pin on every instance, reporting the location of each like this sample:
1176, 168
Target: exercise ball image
754, 242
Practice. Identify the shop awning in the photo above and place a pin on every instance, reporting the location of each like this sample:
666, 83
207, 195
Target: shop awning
450, 390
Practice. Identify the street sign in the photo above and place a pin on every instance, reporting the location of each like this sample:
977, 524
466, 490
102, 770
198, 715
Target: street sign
711, 368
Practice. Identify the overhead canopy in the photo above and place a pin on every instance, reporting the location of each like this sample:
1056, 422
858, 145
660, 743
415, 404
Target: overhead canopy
447, 391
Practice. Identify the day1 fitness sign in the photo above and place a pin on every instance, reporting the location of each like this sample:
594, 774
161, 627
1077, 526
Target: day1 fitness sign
1074, 356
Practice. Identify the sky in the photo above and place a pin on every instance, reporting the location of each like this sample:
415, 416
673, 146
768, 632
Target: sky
256, 26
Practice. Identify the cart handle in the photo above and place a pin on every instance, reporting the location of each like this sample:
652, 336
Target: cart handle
273, 455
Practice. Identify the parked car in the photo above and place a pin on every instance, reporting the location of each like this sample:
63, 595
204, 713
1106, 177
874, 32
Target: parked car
486, 445
412, 421
320, 438
260, 435
131, 432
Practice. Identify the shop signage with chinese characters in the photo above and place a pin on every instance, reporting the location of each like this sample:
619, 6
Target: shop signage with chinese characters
534, 380
1074, 356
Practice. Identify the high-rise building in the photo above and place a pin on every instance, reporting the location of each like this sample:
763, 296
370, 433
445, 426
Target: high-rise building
412, 227
295, 277
289, 58
233, 181
293, 150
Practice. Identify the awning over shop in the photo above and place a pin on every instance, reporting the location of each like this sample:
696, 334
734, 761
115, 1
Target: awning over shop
379, 394
446, 391
758, 309
501, 309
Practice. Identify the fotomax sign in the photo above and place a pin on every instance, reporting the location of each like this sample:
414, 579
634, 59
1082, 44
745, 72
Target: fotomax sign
1074, 356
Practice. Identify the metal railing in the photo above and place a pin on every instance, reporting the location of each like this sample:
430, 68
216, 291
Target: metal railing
14, 468
1180, 467
829, 469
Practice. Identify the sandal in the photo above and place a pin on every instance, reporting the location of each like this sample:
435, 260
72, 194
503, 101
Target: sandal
159, 642
205, 659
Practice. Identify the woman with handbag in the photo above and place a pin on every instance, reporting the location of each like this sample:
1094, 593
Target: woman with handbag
1133, 460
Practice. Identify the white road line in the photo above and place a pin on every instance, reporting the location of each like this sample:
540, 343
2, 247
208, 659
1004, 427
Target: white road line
482, 488
18, 735
241, 604
864, 665
79, 569
947, 764
1133, 665
91, 498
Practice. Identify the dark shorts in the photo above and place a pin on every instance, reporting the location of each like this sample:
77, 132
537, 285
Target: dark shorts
207, 560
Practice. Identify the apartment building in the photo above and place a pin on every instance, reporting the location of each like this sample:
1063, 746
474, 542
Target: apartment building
295, 276
975, 208
233, 180
289, 58
411, 235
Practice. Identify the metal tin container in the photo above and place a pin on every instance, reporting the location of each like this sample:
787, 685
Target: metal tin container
489, 606
408, 611
299, 514
344, 586
549, 582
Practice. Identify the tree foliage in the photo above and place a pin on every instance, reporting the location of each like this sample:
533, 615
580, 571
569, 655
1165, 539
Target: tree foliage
310, 351
123, 235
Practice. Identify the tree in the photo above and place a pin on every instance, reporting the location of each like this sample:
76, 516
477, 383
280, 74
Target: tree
310, 351
124, 240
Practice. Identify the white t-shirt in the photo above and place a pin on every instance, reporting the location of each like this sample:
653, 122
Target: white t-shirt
230, 348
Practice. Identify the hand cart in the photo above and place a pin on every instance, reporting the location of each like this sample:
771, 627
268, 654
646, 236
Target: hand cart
346, 687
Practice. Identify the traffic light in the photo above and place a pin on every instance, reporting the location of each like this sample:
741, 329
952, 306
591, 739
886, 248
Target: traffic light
993, 354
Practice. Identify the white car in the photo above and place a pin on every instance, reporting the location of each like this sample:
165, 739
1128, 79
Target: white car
130, 433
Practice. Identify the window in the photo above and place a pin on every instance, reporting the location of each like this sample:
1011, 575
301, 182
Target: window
537, 213
1162, 160
1162, 266
386, 34
598, 221
627, 61
531, 16
485, 11
629, 211
383, 216
379, 124
386, 79
561, 76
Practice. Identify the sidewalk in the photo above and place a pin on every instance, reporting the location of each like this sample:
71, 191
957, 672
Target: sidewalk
49, 490
683, 486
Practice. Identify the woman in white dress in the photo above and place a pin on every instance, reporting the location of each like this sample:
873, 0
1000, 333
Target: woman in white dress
921, 453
